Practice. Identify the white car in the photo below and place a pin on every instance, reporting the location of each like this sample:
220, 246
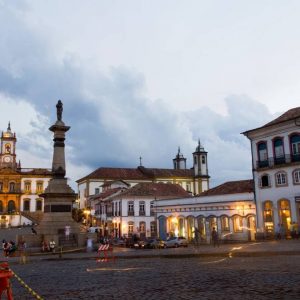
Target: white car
176, 242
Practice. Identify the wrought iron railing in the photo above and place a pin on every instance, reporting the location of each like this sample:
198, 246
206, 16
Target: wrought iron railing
275, 161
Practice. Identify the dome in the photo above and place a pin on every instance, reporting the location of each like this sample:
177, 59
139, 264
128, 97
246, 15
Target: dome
8, 133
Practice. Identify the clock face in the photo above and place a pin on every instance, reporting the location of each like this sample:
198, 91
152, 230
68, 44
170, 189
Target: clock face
7, 159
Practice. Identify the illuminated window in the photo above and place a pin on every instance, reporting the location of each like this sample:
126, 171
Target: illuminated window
225, 223
238, 224
153, 228
130, 228
268, 216
142, 226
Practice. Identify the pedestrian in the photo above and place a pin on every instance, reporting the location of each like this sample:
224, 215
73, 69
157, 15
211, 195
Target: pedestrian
278, 232
215, 238
282, 231
52, 245
67, 232
22, 249
33, 231
45, 246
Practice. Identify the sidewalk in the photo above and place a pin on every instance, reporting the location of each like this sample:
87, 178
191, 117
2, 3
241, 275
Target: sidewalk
269, 248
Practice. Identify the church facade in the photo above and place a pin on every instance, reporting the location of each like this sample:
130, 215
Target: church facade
20, 188
194, 180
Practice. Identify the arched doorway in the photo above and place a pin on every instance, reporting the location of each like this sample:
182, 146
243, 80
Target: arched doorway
162, 227
201, 228
251, 228
284, 212
181, 228
190, 227
268, 217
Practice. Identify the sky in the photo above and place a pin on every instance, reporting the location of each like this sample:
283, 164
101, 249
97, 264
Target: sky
140, 78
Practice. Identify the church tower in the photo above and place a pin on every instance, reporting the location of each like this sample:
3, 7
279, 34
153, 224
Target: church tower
179, 161
8, 149
200, 169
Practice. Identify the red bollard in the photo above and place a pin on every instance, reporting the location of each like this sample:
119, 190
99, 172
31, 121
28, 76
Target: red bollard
105, 248
5, 285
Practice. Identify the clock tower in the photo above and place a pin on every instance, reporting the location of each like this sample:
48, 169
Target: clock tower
8, 149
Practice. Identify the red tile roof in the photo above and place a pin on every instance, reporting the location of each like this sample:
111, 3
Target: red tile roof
140, 173
115, 173
37, 171
291, 114
157, 190
105, 194
231, 187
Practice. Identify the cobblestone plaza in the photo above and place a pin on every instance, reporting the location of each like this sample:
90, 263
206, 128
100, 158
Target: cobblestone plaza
263, 277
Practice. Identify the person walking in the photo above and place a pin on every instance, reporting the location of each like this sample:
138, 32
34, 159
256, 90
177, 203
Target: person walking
22, 249
52, 245
214, 237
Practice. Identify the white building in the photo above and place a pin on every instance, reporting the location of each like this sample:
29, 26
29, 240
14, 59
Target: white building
275, 151
194, 180
127, 212
230, 208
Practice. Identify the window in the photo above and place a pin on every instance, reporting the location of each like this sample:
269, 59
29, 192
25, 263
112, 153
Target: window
39, 204
11, 207
278, 151
26, 205
97, 191
1, 206
1, 186
296, 176
238, 224
27, 186
7, 148
262, 152
142, 226
295, 144
265, 180
142, 208
152, 208
130, 208
281, 178
268, 216
153, 228
188, 187
203, 159
39, 187
11, 186
195, 159
130, 228
225, 223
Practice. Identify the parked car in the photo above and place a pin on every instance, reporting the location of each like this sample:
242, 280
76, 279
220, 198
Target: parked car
155, 244
119, 242
176, 242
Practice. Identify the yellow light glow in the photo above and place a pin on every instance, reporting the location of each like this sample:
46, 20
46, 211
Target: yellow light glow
174, 220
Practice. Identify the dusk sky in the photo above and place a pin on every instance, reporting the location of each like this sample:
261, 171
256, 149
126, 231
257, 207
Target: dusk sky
140, 78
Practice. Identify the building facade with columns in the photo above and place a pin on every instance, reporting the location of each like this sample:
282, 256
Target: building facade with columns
19, 187
275, 151
229, 208
194, 180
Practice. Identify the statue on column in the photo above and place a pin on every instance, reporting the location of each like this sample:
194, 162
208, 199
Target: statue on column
59, 110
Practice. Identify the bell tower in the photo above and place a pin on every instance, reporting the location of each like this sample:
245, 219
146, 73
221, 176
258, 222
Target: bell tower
200, 169
179, 161
8, 149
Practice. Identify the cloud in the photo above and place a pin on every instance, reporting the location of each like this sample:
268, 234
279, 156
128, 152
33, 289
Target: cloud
112, 122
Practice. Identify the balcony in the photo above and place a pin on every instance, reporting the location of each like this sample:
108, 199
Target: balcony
141, 213
130, 213
277, 161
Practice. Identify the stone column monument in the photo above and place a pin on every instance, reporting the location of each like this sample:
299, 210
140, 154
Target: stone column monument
59, 196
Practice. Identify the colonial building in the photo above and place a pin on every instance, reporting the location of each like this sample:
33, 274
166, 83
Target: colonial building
194, 180
229, 208
275, 149
127, 211
19, 187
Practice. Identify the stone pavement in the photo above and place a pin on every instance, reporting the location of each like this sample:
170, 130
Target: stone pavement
229, 272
